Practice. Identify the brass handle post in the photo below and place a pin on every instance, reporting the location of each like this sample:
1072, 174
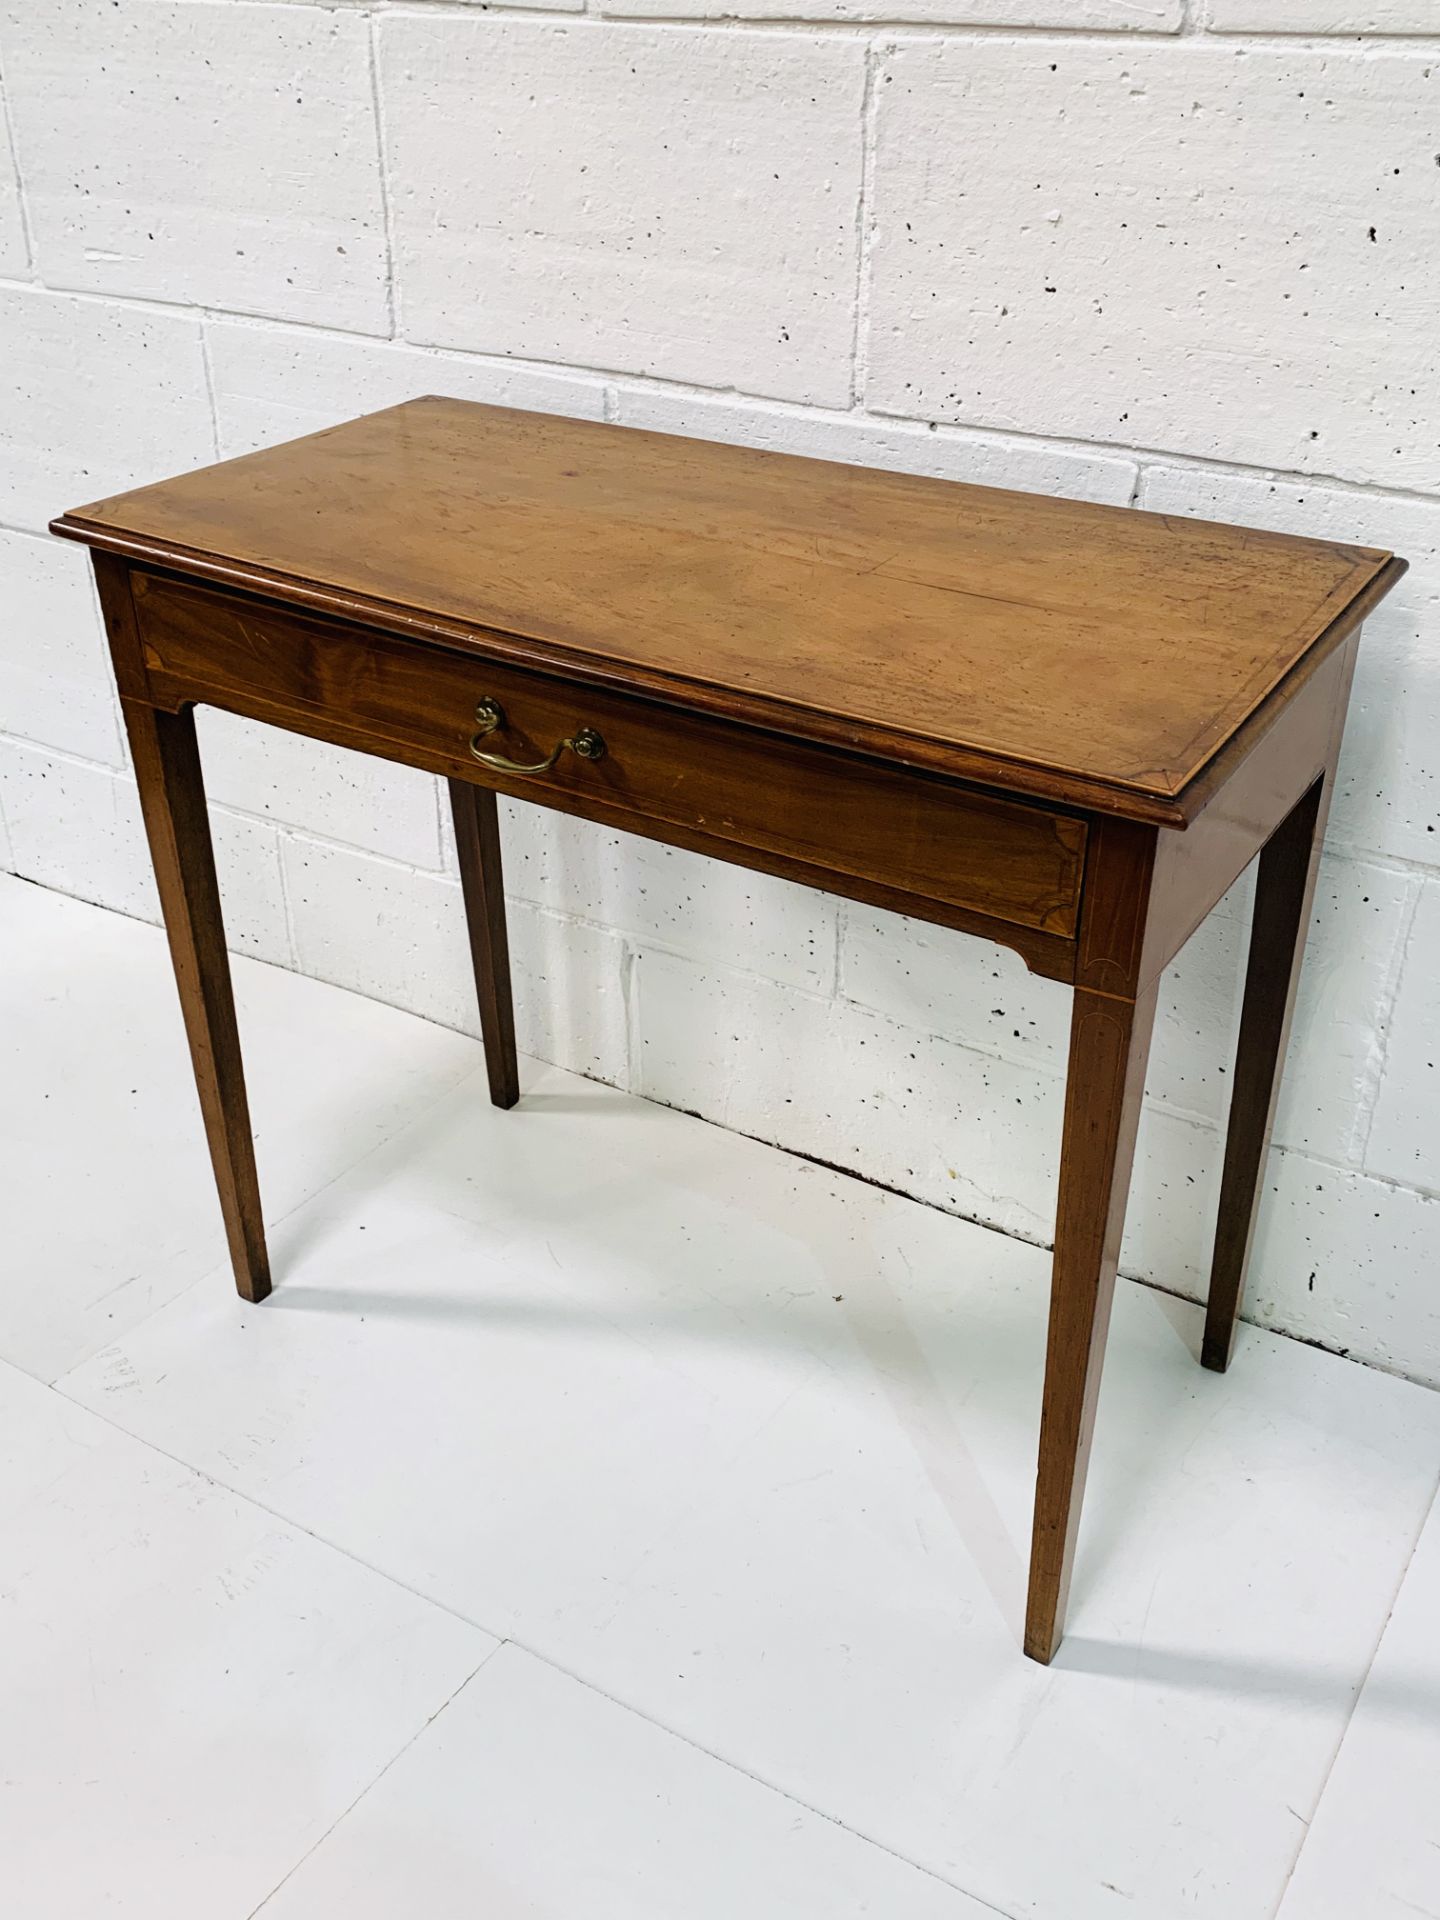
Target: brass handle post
587, 744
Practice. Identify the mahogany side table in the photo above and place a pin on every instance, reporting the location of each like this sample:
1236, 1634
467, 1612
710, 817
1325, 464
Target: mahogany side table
1067, 728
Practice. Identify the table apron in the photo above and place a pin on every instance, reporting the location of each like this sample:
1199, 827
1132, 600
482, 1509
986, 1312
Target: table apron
894, 836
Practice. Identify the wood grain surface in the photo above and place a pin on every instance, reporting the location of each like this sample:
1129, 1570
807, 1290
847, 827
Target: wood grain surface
1058, 648
979, 708
926, 837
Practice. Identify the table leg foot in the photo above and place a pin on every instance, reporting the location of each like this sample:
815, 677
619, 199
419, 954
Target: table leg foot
1109, 1043
172, 797
477, 840
1284, 892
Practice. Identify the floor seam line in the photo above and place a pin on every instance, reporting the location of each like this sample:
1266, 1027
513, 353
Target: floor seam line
284, 1519
757, 1779
502, 1640
1397, 1465
1432, 1512
370, 1785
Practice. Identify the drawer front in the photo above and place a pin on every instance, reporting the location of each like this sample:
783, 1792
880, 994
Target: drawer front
900, 829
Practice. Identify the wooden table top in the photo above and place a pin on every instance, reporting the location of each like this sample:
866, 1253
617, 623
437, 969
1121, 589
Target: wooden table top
1074, 652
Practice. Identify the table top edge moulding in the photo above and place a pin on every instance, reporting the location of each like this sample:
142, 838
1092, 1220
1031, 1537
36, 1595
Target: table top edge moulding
774, 606
1064, 727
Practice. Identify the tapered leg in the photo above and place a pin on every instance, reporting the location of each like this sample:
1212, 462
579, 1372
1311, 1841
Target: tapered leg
1284, 892
1109, 1042
477, 836
172, 796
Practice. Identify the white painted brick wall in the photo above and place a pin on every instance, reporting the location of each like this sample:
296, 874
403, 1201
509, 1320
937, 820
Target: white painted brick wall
1403, 1141
241, 171
1158, 16
833, 230
77, 827
940, 453
274, 383
385, 929
1321, 16
14, 250
94, 397
362, 801
54, 666
655, 200
1219, 248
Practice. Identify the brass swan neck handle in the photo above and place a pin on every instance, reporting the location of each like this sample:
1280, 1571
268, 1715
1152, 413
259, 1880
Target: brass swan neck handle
586, 744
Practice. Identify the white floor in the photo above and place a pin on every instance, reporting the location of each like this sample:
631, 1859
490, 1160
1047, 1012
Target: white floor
609, 1518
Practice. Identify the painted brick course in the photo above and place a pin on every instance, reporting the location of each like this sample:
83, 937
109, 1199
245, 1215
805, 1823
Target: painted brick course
1321, 16
928, 980
55, 682
671, 898
399, 935
986, 460
276, 383
95, 396
207, 154
961, 1128
14, 252
600, 196
77, 827
1224, 253
364, 802
1150, 16
1340, 1257
1404, 1140
827, 239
